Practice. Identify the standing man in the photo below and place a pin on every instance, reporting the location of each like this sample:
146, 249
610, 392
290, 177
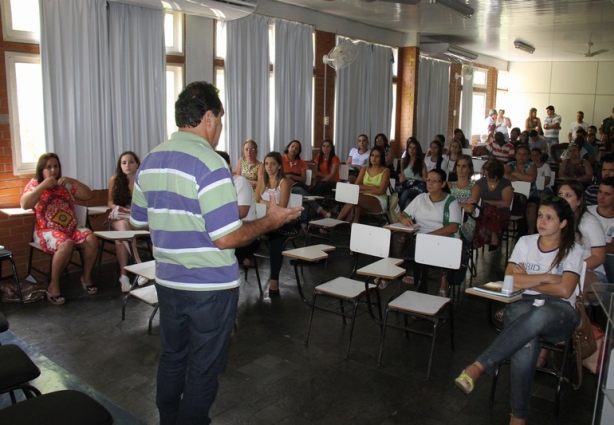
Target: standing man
552, 127
184, 192
604, 211
608, 125
491, 124
577, 124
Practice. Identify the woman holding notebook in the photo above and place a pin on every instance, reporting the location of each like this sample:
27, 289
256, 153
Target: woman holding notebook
546, 266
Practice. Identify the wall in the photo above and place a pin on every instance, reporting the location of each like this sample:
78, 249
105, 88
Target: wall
568, 86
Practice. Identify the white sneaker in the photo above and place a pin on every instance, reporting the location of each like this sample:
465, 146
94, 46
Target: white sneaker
142, 280
125, 283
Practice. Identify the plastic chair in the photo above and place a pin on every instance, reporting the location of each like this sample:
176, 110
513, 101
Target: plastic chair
439, 251
345, 193
147, 293
6, 255
16, 372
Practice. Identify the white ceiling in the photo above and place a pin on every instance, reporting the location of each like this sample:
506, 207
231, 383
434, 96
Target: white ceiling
556, 28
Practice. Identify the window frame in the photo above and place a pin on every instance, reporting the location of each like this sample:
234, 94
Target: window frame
11, 59
11, 34
176, 49
178, 69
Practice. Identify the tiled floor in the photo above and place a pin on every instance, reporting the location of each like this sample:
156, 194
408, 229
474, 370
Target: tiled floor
272, 377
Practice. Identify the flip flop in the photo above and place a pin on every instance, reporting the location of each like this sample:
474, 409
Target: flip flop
55, 300
90, 289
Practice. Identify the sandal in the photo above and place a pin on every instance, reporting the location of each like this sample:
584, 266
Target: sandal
408, 280
381, 283
90, 289
55, 300
464, 382
498, 316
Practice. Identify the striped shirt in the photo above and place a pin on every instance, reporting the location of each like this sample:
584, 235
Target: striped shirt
184, 192
502, 153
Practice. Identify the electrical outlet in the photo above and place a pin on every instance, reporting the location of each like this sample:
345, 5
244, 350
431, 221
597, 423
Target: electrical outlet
326, 120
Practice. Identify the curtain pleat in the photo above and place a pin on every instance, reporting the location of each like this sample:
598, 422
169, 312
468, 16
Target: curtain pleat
363, 97
247, 84
433, 98
293, 85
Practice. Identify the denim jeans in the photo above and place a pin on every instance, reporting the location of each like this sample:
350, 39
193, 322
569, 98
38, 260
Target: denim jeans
195, 328
524, 325
551, 142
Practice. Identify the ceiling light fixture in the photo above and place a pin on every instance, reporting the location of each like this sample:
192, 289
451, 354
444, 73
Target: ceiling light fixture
524, 46
457, 8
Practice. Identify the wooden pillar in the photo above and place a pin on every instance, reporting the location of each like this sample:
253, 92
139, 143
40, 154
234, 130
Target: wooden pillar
407, 94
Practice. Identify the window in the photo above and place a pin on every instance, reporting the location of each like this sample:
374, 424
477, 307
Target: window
173, 33
25, 91
220, 83
480, 77
174, 85
477, 114
20, 21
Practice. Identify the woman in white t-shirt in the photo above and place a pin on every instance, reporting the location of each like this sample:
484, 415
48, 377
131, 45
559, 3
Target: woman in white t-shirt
591, 236
546, 266
436, 160
358, 157
437, 213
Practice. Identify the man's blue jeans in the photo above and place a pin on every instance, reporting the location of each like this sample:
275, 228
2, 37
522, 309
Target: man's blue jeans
195, 328
525, 324
551, 142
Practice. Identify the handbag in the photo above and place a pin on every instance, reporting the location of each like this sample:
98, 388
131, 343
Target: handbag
394, 211
583, 338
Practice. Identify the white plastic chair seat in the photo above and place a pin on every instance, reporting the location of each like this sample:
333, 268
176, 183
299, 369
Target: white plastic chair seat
147, 294
418, 303
343, 287
326, 222
386, 268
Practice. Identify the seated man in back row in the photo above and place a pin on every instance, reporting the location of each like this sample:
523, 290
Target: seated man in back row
502, 150
604, 211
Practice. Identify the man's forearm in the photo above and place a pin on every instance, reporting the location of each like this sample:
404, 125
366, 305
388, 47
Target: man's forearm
249, 231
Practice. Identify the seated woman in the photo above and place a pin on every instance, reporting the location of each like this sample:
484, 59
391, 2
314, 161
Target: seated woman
460, 136
574, 167
543, 171
373, 181
327, 170
358, 158
589, 233
248, 165
56, 230
523, 170
437, 213
436, 160
467, 194
497, 194
295, 170
413, 173
274, 184
382, 141
546, 266
455, 150
121, 185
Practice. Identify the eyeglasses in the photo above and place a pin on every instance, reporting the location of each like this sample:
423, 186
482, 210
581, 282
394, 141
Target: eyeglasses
251, 149
433, 181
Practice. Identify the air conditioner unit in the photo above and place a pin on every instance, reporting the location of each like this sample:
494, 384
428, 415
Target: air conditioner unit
447, 51
223, 10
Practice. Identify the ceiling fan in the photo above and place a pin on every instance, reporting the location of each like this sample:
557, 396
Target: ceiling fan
588, 53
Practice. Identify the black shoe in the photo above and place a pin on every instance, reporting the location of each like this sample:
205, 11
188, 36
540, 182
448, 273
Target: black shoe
274, 293
492, 248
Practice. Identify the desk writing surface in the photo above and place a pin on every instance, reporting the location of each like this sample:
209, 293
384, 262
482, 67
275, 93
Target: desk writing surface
398, 227
114, 235
102, 209
16, 212
147, 269
386, 268
505, 300
309, 253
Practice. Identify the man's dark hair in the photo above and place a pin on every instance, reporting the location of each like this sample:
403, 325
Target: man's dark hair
608, 181
550, 107
499, 137
194, 101
593, 127
580, 131
533, 133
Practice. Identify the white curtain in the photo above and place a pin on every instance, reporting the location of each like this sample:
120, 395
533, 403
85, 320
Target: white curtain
363, 97
74, 58
247, 83
433, 100
293, 85
467, 105
138, 75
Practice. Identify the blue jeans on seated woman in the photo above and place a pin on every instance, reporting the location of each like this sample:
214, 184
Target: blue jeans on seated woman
524, 325
411, 189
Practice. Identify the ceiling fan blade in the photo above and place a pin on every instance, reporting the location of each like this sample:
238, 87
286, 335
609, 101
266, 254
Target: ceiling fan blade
598, 52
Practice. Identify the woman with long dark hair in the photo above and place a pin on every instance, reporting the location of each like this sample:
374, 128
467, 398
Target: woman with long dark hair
546, 267
413, 173
327, 169
119, 200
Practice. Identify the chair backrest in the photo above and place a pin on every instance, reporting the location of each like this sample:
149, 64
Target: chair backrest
370, 240
522, 187
478, 164
308, 177
438, 251
296, 200
552, 178
81, 215
467, 151
395, 164
392, 185
347, 193
344, 172
540, 182
609, 267
580, 286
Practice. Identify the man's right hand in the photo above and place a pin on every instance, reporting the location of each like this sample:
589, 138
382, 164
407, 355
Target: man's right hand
280, 216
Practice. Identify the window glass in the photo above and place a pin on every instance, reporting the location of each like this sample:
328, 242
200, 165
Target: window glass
174, 85
220, 39
479, 77
173, 33
21, 21
25, 90
221, 84
393, 124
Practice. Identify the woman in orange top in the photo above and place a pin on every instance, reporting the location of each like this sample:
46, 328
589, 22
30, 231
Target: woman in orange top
327, 169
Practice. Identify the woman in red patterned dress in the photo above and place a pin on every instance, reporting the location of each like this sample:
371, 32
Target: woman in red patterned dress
52, 198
